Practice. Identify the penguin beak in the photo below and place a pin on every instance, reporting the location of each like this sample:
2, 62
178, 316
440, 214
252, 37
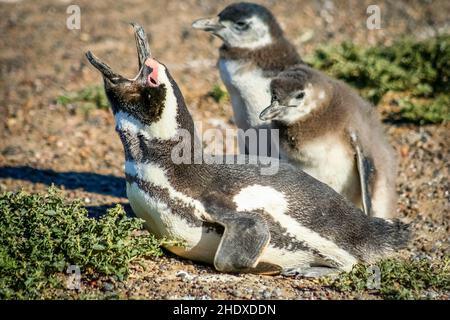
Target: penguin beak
142, 46
271, 111
148, 67
208, 24
106, 70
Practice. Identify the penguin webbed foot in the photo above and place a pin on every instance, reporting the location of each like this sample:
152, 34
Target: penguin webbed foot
310, 272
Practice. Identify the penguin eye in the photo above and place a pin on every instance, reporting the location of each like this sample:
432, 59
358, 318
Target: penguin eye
241, 25
300, 96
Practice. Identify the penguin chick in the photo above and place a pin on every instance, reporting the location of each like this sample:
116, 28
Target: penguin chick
330, 132
254, 50
227, 213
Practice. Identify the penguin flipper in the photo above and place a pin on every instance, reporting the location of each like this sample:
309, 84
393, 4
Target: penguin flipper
244, 239
366, 171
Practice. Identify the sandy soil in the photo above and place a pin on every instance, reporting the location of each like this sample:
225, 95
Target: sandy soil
42, 142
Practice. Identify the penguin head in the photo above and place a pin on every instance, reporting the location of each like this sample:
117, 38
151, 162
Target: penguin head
243, 25
142, 97
296, 94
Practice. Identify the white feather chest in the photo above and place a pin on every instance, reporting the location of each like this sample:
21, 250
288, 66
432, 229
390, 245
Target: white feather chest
200, 243
329, 160
249, 91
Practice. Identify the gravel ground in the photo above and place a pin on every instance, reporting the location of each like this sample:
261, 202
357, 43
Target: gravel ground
42, 142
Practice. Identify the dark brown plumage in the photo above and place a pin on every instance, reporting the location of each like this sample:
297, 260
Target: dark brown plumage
272, 59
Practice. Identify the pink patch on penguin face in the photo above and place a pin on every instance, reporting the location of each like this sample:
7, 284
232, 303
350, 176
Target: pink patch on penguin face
152, 78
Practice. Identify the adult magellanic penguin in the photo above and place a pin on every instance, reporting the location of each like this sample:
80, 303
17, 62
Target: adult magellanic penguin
230, 215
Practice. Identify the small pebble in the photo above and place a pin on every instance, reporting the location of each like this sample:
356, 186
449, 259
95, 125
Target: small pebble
181, 274
107, 286
266, 294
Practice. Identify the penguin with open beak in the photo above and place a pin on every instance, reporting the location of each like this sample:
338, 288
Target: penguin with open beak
228, 214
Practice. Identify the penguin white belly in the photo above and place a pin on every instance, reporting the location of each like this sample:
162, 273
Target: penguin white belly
200, 243
249, 91
328, 160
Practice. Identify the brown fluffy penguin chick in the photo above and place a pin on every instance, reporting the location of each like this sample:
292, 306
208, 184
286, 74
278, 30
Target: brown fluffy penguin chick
330, 132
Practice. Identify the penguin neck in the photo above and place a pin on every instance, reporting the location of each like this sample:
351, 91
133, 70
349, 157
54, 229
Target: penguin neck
275, 57
154, 142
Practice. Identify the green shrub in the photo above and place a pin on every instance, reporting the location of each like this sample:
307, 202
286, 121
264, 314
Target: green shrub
42, 234
218, 94
400, 279
89, 98
417, 69
435, 111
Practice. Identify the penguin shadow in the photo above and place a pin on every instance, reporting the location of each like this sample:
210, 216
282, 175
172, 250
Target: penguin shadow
90, 182
396, 120
99, 211
87, 181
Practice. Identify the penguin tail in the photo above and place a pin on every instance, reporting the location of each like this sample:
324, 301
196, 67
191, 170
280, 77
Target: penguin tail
388, 236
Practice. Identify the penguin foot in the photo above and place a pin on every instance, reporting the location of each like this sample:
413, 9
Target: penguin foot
265, 268
310, 272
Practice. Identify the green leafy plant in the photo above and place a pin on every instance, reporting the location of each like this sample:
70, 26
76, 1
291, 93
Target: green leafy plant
400, 279
42, 234
417, 69
435, 111
89, 98
218, 94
